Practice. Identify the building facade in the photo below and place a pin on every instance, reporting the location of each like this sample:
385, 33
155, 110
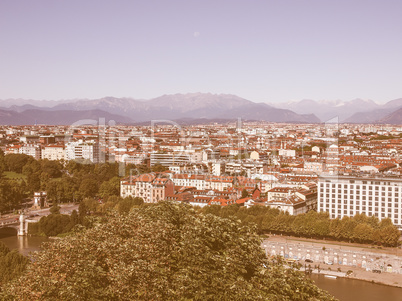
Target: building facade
53, 152
148, 187
347, 196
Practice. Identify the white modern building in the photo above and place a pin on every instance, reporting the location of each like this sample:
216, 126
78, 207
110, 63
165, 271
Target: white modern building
347, 196
167, 159
83, 150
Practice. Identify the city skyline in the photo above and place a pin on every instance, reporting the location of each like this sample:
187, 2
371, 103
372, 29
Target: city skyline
267, 51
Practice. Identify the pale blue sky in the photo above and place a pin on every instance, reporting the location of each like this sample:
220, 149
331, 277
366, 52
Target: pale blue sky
261, 50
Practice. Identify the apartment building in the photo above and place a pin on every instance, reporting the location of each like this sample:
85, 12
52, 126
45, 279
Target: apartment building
201, 182
53, 152
347, 196
167, 159
197, 181
147, 186
292, 204
83, 150
279, 193
31, 150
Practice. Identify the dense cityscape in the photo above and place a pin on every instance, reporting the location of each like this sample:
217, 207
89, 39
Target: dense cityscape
201, 150
287, 166
339, 182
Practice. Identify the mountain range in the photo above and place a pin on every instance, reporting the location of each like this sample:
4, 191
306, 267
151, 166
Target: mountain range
195, 107
131, 111
354, 111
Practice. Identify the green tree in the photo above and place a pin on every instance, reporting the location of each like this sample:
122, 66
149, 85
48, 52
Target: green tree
15, 162
51, 168
12, 264
164, 251
55, 209
110, 188
244, 193
11, 194
124, 206
390, 236
363, 233
158, 168
2, 163
88, 188
53, 224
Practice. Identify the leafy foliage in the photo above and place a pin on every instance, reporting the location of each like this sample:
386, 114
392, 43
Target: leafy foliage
359, 228
164, 251
12, 264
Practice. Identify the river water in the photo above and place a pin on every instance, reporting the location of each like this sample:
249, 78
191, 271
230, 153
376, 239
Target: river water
355, 290
24, 244
342, 288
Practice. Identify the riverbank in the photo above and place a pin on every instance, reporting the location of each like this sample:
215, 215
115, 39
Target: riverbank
390, 279
319, 248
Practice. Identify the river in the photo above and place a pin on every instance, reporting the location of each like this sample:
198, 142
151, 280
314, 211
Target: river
345, 289
342, 288
24, 244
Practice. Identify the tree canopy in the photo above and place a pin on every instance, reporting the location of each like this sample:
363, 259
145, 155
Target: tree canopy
12, 264
164, 251
359, 228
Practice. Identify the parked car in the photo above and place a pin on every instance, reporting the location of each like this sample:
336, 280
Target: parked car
309, 260
377, 271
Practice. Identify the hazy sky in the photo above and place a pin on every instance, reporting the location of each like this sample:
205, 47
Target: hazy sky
261, 50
